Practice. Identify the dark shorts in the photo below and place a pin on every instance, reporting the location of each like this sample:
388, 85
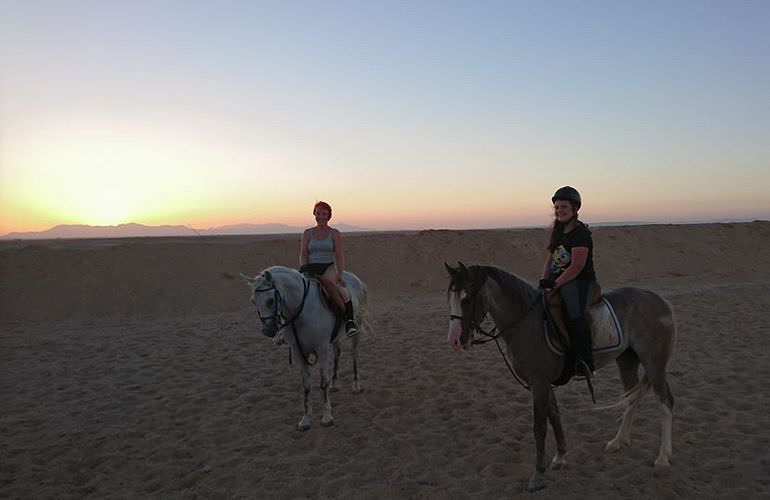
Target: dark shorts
315, 269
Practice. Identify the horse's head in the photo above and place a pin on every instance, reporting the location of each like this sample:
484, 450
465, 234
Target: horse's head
467, 309
267, 298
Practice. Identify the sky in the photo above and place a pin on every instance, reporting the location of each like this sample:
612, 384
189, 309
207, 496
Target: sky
401, 115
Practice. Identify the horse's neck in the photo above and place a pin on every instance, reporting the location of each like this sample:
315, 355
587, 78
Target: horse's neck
292, 289
505, 308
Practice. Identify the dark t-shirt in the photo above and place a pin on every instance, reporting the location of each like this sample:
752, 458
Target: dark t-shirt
562, 254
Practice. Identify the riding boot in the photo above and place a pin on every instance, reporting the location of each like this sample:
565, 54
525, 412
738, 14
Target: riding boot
350, 324
580, 337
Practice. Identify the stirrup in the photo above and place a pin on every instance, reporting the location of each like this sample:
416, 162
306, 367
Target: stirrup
351, 329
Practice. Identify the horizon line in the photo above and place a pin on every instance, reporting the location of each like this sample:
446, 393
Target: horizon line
28, 235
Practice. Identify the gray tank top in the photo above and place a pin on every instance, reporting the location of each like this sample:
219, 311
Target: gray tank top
320, 251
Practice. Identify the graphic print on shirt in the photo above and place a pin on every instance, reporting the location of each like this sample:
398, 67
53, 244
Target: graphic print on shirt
561, 260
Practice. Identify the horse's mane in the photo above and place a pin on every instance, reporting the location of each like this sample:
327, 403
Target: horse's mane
509, 284
281, 270
284, 272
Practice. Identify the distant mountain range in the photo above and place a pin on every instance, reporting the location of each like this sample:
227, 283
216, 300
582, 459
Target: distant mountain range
134, 230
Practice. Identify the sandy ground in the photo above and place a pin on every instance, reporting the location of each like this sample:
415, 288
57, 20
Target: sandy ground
135, 368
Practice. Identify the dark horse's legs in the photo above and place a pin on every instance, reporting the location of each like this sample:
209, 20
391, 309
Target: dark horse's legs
541, 398
558, 432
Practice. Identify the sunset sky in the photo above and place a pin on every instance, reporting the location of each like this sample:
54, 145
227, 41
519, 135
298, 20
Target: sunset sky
400, 114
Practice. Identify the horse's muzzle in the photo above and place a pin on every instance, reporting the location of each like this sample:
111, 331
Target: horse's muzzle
269, 330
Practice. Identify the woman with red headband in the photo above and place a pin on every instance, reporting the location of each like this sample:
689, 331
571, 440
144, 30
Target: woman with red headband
322, 255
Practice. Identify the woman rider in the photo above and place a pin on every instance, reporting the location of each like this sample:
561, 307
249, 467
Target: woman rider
321, 255
569, 268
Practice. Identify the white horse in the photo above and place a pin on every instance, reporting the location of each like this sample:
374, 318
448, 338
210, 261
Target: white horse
292, 305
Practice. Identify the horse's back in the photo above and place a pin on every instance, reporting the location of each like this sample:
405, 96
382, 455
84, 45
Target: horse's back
647, 317
630, 298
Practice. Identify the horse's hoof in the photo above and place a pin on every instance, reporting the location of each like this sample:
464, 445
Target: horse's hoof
662, 463
357, 388
534, 486
612, 446
536, 482
303, 427
558, 462
327, 423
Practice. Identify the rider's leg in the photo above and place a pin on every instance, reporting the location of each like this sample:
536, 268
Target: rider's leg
342, 298
332, 290
575, 302
351, 328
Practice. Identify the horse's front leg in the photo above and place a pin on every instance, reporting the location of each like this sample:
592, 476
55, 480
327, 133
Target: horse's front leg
559, 460
540, 402
323, 361
304, 422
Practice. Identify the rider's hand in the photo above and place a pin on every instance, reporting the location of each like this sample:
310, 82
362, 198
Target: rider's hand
340, 281
547, 283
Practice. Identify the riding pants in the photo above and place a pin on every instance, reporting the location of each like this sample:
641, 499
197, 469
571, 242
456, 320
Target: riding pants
575, 296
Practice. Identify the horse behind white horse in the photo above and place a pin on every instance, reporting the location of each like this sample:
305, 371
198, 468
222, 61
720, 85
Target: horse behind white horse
292, 305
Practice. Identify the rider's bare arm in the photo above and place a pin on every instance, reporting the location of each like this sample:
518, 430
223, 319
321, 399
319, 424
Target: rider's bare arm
339, 255
578, 262
547, 265
303, 248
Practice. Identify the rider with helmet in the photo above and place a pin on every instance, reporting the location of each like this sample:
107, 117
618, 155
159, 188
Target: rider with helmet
569, 268
322, 256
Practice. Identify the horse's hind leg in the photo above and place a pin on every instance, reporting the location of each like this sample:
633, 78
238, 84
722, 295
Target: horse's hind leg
304, 422
559, 460
335, 369
663, 391
628, 365
357, 388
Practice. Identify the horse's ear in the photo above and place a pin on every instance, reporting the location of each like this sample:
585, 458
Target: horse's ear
251, 281
452, 270
462, 267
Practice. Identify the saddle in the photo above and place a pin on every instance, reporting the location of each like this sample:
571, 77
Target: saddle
555, 311
554, 305
339, 314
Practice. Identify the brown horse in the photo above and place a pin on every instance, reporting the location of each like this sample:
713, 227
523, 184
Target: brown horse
514, 306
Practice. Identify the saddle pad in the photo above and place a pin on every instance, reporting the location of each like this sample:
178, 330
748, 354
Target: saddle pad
606, 332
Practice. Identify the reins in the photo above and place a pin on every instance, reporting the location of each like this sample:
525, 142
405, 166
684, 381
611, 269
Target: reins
495, 334
281, 321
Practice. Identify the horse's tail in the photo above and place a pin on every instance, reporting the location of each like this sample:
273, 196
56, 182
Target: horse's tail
631, 397
363, 309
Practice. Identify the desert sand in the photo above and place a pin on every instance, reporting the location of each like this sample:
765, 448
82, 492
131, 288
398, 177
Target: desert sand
135, 368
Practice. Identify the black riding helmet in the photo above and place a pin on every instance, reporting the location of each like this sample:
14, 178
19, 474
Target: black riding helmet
570, 194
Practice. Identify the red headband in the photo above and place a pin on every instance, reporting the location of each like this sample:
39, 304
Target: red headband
324, 205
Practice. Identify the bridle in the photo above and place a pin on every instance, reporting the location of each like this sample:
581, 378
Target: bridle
278, 302
494, 333
475, 326
279, 319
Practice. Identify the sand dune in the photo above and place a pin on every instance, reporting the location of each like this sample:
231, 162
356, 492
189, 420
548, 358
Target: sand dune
135, 368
